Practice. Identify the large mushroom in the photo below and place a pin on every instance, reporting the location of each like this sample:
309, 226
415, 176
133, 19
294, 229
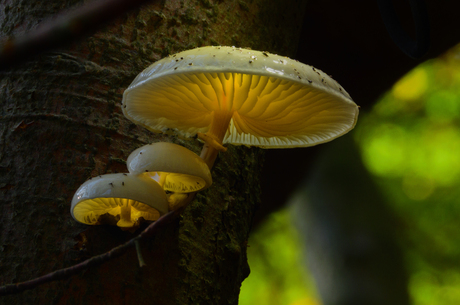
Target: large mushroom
239, 96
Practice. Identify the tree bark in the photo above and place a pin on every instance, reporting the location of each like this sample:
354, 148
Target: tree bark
61, 123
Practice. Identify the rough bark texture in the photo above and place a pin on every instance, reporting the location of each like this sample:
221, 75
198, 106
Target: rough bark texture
61, 123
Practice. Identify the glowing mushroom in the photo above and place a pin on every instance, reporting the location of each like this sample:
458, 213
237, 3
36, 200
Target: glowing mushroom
177, 169
174, 167
239, 96
122, 197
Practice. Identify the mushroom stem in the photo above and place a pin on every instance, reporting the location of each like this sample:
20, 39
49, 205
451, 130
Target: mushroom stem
176, 200
209, 154
140, 258
125, 215
219, 125
215, 135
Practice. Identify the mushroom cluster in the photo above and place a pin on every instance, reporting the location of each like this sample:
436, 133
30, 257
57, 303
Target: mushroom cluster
161, 176
222, 95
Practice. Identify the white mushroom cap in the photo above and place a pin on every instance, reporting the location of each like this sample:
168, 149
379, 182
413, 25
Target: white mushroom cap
273, 101
182, 170
114, 193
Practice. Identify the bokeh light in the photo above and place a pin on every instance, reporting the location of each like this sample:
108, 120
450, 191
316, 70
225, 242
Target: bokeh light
410, 142
278, 276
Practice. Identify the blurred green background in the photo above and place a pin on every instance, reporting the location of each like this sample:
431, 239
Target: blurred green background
410, 142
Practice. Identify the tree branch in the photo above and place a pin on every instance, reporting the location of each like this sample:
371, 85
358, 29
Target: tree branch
94, 261
64, 30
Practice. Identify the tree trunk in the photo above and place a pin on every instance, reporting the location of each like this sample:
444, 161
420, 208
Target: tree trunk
61, 123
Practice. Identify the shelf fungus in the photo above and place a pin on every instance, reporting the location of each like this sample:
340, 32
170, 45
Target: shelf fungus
241, 97
121, 199
177, 170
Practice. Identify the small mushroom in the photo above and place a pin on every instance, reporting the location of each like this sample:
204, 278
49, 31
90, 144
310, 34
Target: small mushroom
174, 167
122, 197
176, 200
228, 97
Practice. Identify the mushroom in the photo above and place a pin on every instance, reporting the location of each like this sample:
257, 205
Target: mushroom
122, 197
239, 96
174, 167
178, 170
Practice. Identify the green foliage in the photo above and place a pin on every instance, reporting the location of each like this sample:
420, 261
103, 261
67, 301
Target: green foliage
411, 143
278, 276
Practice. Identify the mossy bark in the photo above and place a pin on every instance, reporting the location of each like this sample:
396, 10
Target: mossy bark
61, 123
